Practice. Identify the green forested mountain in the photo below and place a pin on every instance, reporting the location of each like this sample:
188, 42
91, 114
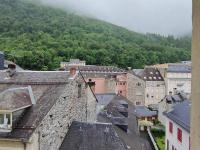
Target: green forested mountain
39, 37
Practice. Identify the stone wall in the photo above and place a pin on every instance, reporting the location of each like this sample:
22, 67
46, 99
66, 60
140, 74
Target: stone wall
69, 107
135, 89
91, 105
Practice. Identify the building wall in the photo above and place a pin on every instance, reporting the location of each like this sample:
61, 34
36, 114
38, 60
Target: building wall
195, 115
69, 107
33, 144
91, 106
172, 137
100, 84
110, 85
162, 107
154, 92
135, 89
121, 85
175, 80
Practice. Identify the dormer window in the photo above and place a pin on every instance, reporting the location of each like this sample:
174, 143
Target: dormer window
5, 122
13, 102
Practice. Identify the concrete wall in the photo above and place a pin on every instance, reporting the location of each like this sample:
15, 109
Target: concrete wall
172, 138
135, 91
195, 132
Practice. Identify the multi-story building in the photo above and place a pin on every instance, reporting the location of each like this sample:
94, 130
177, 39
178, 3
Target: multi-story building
154, 88
105, 79
178, 127
178, 78
38, 107
135, 89
167, 103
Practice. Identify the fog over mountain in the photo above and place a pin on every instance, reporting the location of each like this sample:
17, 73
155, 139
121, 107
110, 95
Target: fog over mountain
166, 17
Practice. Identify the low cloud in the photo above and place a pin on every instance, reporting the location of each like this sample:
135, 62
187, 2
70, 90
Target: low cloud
166, 17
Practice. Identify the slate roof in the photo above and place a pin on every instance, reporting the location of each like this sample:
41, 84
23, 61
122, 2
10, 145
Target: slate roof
47, 87
105, 99
179, 68
35, 77
149, 74
15, 99
177, 98
143, 111
180, 114
89, 136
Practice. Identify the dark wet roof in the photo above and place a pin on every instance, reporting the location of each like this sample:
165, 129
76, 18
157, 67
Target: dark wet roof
181, 114
46, 90
179, 68
149, 74
37, 77
179, 97
143, 111
90, 136
15, 99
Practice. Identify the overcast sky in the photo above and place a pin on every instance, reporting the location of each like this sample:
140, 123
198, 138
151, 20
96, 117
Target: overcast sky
165, 17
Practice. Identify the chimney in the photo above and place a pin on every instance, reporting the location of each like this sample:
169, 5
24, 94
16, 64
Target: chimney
72, 72
11, 69
1, 60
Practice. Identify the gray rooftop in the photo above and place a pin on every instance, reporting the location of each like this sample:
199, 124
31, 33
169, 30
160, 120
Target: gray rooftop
90, 136
105, 99
181, 114
143, 111
179, 68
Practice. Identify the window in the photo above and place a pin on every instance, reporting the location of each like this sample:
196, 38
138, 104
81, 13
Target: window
5, 120
147, 95
138, 103
170, 127
179, 135
120, 92
124, 83
138, 84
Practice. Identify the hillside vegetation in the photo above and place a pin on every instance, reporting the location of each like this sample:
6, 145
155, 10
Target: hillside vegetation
39, 37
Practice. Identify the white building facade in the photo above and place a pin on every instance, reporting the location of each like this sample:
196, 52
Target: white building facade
178, 127
178, 78
178, 138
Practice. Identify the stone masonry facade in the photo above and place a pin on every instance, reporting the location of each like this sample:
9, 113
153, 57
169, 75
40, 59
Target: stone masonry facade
135, 89
72, 105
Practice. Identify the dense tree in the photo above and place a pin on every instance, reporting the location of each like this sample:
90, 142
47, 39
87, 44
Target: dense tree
39, 37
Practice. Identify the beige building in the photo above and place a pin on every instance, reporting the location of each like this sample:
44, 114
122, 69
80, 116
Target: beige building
37, 108
154, 88
135, 89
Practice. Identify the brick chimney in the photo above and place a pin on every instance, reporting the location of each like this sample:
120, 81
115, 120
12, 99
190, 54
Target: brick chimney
11, 69
1, 60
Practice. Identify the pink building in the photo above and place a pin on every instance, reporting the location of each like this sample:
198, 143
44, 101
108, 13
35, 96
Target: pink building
121, 85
